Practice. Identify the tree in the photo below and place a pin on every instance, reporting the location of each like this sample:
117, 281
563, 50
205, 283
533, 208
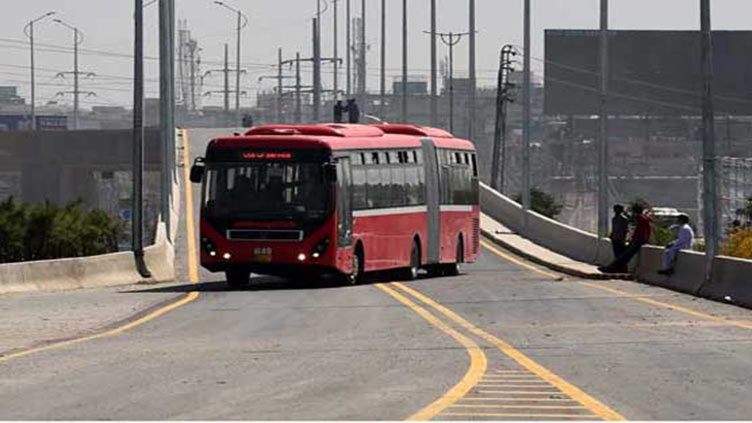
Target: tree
542, 203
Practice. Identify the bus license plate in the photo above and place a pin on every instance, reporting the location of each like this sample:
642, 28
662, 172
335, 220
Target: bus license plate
262, 254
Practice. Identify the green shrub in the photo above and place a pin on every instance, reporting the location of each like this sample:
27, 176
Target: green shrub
46, 231
542, 203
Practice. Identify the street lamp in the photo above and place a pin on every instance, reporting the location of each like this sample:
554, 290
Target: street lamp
78, 38
242, 23
29, 31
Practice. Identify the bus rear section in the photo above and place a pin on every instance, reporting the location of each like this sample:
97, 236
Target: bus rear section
309, 200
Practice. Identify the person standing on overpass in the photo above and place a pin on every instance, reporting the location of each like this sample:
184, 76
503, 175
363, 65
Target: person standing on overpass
683, 241
619, 229
641, 236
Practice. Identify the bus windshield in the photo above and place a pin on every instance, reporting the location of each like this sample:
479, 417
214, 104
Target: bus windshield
266, 190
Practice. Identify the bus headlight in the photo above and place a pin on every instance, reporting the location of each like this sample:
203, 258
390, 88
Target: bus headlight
320, 248
301, 257
226, 256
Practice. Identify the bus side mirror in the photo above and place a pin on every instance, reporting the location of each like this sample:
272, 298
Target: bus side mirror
330, 172
197, 170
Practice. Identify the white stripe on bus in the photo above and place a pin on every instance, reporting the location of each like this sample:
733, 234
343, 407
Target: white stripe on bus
390, 211
456, 208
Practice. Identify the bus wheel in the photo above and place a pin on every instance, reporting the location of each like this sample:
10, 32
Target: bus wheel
238, 278
411, 273
357, 268
453, 269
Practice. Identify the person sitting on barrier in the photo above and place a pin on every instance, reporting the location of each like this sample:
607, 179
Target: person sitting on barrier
619, 230
641, 236
683, 241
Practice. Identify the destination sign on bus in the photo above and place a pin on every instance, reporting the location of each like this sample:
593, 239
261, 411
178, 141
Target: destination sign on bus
267, 155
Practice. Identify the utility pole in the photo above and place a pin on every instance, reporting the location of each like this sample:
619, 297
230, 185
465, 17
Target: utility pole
29, 31
316, 72
279, 85
473, 83
78, 38
348, 50
382, 74
336, 51
227, 87
363, 50
526, 120
404, 61
503, 98
137, 197
242, 22
298, 99
434, 75
167, 104
451, 39
603, 142
709, 188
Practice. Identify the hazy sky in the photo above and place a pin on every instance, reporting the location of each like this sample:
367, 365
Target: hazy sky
107, 26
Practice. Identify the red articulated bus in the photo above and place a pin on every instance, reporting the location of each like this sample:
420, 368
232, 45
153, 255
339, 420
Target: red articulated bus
290, 200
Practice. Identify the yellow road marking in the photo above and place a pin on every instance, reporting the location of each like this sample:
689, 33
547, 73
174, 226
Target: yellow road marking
517, 399
529, 415
525, 407
513, 372
670, 306
191, 296
511, 385
567, 388
519, 262
478, 361
138, 322
486, 391
517, 381
190, 232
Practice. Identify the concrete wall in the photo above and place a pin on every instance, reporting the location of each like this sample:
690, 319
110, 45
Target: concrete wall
731, 281
99, 271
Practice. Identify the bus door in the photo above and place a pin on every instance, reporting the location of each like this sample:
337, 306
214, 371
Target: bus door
433, 189
344, 202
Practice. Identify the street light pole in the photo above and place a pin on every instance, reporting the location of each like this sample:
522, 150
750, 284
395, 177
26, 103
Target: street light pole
137, 207
242, 22
336, 50
709, 188
382, 73
404, 61
434, 76
348, 50
526, 120
603, 144
473, 83
29, 31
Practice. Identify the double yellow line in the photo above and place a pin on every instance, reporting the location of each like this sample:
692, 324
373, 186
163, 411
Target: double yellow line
478, 360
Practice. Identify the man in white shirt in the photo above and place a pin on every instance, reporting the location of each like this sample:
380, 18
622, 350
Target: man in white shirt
683, 241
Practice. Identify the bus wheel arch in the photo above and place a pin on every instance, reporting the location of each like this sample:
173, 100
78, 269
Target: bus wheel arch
358, 263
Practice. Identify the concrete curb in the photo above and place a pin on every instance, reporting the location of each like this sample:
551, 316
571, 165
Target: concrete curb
537, 260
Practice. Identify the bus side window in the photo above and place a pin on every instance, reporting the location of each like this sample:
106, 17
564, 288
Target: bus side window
360, 199
412, 185
399, 194
385, 196
373, 183
475, 165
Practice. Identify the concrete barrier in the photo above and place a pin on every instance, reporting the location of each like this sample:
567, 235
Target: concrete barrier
99, 271
566, 240
730, 282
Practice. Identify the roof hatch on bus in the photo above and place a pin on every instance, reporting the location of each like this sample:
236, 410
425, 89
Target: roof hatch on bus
330, 130
419, 131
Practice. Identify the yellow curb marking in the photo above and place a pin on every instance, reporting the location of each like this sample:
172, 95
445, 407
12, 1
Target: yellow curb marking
519, 262
670, 306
